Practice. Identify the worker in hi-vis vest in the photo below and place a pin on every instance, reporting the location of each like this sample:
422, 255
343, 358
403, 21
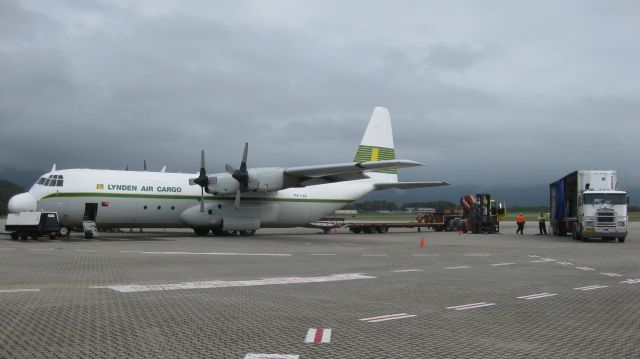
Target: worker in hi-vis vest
542, 224
520, 222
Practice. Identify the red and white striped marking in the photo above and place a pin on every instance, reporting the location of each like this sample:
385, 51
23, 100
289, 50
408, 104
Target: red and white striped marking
584, 268
591, 287
384, 318
271, 356
537, 296
612, 274
458, 267
318, 336
631, 281
502, 264
471, 306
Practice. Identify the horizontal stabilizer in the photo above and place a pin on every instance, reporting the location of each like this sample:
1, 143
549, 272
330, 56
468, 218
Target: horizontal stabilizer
409, 185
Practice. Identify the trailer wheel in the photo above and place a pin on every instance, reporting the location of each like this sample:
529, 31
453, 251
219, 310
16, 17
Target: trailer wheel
621, 239
382, 229
248, 233
14, 236
369, 229
33, 236
356, 230
23, 236
64, 231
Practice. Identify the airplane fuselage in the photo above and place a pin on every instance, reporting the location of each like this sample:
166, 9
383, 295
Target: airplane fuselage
158, 199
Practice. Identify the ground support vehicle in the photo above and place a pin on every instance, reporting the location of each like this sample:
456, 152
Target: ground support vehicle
32, 225
482, 214
587, 204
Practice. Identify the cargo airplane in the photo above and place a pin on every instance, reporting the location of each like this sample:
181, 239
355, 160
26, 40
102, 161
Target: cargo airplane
241, 199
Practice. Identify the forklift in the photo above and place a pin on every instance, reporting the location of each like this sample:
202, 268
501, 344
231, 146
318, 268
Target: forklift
482, 214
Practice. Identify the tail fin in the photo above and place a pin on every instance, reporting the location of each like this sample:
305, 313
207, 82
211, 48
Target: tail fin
377, 145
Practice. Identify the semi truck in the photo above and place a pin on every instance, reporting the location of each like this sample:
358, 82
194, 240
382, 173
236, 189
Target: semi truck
588, 204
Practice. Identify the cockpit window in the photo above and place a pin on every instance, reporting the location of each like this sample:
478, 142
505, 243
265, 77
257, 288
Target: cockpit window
52, 181
41, 180
46, 183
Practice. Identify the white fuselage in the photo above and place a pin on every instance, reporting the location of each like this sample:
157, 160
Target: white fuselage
158, 199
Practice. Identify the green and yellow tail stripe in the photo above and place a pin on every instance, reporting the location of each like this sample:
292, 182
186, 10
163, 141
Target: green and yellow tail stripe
372, 153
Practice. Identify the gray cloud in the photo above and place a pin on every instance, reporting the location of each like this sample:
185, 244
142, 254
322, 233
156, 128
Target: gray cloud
486, 93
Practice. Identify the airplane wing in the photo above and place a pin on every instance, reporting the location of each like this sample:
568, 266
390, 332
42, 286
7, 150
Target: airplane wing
309, 175
409, 185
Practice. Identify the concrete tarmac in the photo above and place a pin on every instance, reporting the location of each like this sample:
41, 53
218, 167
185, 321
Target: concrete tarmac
299, 293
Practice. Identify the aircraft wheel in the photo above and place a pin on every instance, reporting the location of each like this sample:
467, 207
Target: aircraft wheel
64, 231
201, 231
14, 236
33, 236
88, 235
247, 233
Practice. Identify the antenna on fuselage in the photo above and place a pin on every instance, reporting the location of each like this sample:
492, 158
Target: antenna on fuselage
53, 168
145, 165
164, 168
126, 168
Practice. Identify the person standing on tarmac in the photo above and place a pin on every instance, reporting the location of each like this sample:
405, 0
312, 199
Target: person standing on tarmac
542, 225
520, 222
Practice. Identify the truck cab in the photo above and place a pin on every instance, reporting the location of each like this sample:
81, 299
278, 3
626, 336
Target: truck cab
602, 214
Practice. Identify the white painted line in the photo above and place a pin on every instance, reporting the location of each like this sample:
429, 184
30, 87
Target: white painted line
545, 260
426, 255
536, 296
271, 356
501, 264
584, 268
384, 318
41, 249
86, 250
549, 259
318, 336
238, 283
471, 306
477, 254
565, 263
458, 267
374, 255
631, 281
322, 254
222, 254
533, 256
6, 249
612, 274
591, 287
18, 290
129, 251
406, 270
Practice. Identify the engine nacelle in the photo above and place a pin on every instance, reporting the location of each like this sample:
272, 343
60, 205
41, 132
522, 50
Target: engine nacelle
266, 179
224, 184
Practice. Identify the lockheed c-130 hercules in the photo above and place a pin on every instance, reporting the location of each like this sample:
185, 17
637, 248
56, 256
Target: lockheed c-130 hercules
241, 199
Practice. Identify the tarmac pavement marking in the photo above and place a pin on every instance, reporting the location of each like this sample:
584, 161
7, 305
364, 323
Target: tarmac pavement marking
86, 250
565, 263
537, 296
231, 284
41, 249
318, 336
406, 270
458, 267
374, 255
631, 281
271, 356
533, 256
322, 254
544, 260
6, 249
612, 274
220, 254
385, 318
477, 254
19, 290
584, 268
592, 287
502, 264
426, 255
471, 306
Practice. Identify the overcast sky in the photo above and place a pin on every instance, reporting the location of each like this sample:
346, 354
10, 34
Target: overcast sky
484, 92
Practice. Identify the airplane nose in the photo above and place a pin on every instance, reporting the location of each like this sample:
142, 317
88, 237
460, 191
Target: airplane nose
23, 202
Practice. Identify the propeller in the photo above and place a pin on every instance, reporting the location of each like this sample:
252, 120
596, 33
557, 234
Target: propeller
241, 175
202, 180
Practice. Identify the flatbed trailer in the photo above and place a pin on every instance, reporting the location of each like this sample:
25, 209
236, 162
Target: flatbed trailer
437, 221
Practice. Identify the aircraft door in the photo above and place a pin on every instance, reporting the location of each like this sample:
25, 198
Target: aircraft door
90, 212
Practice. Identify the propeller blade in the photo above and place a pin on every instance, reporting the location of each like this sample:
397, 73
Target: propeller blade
229, 169
243, 164
145, 165
202, 171
237, 202
201, 199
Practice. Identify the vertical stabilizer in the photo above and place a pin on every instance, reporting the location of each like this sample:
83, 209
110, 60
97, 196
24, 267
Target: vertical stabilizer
377, 145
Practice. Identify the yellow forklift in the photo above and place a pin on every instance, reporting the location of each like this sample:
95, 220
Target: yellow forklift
482, 214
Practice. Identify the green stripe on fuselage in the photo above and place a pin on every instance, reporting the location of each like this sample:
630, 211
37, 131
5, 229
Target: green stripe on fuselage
189, 197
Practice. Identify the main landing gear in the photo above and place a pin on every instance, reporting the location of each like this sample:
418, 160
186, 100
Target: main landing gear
203, 231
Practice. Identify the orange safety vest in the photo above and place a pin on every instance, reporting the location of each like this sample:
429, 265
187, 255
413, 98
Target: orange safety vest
520, 218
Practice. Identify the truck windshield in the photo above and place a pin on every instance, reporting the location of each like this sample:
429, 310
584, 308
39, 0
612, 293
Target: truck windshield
601, 198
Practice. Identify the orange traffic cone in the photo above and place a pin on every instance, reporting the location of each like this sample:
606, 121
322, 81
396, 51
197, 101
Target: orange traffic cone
422, 242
